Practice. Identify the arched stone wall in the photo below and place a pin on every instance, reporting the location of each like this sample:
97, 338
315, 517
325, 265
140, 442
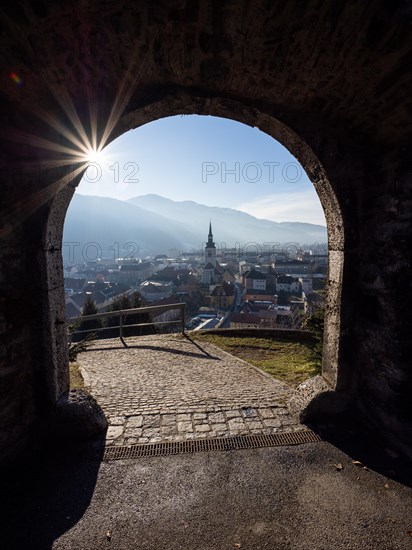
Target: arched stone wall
337, 74
185, 104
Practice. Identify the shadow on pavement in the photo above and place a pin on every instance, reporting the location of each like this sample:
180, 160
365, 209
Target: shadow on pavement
362, 446
198, 346
47, 494
164, 349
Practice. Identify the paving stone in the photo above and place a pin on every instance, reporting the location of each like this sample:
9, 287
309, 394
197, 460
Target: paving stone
266, 413
116, 420
287, 421
155, 439
249, 412
143, 388
168, 430
235, 432
113, 432
134, 422
219, 427
233, 414
168, 419
150, 432
152, 421
134, 432
216, 418
183, 417
272, 422
131, 440
184, 427
253, 424
236, 424
202, 428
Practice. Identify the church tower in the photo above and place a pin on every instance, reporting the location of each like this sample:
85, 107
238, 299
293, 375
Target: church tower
210, 249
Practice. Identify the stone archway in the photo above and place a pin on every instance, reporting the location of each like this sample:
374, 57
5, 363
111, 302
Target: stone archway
336, 74
186, 104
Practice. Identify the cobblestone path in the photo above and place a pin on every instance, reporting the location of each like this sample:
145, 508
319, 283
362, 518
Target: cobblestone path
170, 388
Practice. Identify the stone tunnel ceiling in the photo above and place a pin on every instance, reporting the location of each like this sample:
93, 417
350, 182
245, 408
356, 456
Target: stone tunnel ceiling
340, 61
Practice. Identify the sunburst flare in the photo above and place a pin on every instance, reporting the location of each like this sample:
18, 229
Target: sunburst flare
80, 149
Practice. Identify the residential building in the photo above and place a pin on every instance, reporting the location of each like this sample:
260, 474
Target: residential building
156, 290
254, 280
134, 273
286, 283
222, 296
228, 276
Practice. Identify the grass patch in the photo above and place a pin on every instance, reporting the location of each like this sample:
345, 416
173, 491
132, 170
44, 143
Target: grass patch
291, 362
76, 378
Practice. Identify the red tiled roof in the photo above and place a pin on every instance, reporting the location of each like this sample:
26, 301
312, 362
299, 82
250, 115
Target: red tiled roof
255, 275
165, 301
244, 318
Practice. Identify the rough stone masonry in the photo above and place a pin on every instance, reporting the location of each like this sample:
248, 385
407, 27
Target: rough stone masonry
331, 81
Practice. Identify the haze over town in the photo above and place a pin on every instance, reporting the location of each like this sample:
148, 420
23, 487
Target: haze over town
200, 210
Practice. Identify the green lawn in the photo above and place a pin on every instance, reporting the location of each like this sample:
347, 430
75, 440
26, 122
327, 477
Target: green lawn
292, 362
76, 378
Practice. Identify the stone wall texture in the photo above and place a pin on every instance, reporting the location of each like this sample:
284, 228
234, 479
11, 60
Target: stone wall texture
330, 80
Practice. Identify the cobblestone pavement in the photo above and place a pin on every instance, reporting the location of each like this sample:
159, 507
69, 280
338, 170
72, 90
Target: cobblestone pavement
171, 388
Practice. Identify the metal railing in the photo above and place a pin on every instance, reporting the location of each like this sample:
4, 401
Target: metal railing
127, 312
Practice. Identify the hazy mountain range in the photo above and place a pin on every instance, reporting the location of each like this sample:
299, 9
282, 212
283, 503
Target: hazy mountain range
155, 224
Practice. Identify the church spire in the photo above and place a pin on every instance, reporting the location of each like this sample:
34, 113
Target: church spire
210, 236
210, 248
210, 242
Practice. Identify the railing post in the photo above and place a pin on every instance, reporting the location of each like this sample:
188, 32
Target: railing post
121, 326
183, 318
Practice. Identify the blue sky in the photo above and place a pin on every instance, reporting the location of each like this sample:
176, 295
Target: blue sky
209, 160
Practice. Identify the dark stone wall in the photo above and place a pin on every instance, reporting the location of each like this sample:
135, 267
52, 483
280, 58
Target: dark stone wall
335, 74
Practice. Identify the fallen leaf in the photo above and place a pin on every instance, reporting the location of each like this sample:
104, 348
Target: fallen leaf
357, 462
339, 466
236, 545
386, 485
109, 535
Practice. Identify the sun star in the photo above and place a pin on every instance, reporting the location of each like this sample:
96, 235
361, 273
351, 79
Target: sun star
94, 155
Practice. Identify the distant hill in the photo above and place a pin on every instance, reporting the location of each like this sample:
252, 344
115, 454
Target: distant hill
231, 225
107, 221
157, 224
